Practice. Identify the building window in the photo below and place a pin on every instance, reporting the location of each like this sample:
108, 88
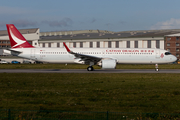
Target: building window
135, 44
74, 44
168, 39
4, 42
43, 44
98, 45
168, 50
177, 44
177, 49
81, 44
149, 44
58, 44
177, 38
157, 43
177, 55
168, 44
49, 44
30, 42
128, 44
91, 44
109, 44
117, 44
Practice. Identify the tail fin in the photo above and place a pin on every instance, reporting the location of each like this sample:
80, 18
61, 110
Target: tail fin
16, 38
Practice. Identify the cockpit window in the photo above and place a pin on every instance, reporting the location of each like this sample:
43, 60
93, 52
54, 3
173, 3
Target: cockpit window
167, 53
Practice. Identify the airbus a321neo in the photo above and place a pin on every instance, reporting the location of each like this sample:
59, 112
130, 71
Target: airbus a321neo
107, 58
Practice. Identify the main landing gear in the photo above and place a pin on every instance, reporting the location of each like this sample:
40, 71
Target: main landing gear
90, 68
156, 67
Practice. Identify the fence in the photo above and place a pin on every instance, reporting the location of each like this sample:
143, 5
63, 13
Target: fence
12, 114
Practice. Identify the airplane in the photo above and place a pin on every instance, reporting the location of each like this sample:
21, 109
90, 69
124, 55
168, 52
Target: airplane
106, 58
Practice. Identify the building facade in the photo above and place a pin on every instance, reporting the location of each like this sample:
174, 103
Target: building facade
172, 44
107, 43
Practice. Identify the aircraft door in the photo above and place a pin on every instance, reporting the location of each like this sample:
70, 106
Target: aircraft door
157, 54
103, 53
33, 53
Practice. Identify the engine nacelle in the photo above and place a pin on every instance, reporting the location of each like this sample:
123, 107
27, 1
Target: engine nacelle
108, 64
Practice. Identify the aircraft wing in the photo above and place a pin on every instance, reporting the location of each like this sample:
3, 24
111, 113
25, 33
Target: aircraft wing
83, 57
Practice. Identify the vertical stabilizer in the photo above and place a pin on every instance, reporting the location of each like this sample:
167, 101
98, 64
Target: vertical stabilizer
16, 38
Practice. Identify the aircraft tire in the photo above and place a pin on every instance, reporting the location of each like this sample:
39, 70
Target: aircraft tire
90, 68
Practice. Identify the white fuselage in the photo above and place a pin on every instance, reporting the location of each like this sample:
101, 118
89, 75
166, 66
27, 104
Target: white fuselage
122, 55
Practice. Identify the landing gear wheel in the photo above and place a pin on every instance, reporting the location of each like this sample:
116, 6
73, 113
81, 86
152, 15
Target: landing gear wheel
156, 68
90, 68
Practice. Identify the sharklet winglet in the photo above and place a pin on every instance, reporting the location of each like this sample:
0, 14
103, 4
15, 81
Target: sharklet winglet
68, 50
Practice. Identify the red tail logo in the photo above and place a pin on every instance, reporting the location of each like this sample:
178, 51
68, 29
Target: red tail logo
16, 38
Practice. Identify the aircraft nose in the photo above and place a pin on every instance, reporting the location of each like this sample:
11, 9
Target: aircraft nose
174, 58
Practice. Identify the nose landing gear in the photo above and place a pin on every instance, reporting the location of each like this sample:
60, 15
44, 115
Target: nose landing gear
156, 67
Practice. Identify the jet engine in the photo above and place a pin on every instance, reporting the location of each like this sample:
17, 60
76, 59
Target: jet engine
108, 64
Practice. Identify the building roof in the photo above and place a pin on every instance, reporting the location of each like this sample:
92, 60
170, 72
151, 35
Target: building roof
173, 35
97, 34
22, 31
109, 35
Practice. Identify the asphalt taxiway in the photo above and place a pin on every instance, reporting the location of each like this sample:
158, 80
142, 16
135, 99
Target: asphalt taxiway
85, 71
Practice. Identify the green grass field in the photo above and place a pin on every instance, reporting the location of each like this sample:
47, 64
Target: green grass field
91, 92
78, 66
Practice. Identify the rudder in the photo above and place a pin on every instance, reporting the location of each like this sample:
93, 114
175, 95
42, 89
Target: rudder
16, 38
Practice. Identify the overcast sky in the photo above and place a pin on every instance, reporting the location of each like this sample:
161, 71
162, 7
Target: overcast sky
113, 15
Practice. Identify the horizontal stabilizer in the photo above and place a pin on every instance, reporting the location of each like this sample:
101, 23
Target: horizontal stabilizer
15, 51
